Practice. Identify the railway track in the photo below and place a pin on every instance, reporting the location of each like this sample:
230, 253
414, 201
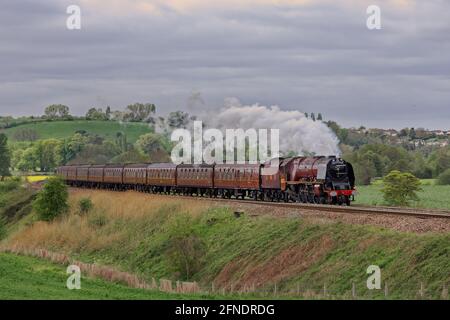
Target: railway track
418, 213
411, 212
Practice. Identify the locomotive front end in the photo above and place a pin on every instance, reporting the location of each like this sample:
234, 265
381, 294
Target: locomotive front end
339, 181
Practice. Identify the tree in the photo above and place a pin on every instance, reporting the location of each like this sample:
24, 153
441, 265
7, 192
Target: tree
26, 160
130, 156
152, 144
178, 119
149, 143
400, 188
444, 178
47, 154
5, 158
319, 117
440, 161
404, 132
313, 116
56, 111
108, 113
96, 114
140, 112
412, 133
52, 200
121, 141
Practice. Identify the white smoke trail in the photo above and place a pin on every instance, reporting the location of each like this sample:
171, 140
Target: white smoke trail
297, 133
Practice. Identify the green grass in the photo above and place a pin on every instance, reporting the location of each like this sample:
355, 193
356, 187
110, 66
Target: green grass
431, 196
32, 278
288, 252
254, 247
65, 129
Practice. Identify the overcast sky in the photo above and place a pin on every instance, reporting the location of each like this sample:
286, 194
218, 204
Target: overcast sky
308, 55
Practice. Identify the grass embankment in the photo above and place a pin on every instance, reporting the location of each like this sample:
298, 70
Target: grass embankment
172, 238
15, 205
65, 129
32, 278
432, 196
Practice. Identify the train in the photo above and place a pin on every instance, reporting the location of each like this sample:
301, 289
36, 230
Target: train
318, 179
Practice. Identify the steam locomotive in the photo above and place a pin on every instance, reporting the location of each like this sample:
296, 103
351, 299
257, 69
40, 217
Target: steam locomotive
319, 180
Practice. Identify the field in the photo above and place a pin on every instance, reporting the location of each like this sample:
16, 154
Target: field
154, 236
31, 278
65, 129
431, 196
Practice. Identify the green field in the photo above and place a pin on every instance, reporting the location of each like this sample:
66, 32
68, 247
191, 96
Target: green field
30, 278
65, 129
431, 196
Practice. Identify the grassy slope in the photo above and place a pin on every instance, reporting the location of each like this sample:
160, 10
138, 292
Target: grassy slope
135, 236
31, 278
431, 196
64, 129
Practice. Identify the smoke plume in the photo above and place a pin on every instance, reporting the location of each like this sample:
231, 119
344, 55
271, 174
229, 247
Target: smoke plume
297, 132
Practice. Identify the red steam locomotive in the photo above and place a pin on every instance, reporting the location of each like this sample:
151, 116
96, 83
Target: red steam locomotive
320, 180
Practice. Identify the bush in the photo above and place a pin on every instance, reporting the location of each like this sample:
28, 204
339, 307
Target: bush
85, 205
186, 249
98, 221
444, 178
400, 188
9, 185
52, 200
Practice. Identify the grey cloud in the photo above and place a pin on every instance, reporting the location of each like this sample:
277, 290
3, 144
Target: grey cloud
314, 58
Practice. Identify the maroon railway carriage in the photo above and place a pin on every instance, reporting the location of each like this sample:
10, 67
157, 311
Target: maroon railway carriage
95, 176
68, 173
71, 174
82, 175
240, 180
63, 172
161, 177
113, 177
197, 178
135, 176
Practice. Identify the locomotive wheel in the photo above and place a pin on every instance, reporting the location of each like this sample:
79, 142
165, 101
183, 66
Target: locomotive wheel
347, 201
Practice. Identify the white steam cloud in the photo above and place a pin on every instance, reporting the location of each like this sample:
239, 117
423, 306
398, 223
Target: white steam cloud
297, 132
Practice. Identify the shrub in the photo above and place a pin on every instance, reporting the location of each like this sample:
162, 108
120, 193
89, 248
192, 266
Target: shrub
186, 249
98, 221
444, 178
52, 200
85, 205
9, 185
400, 188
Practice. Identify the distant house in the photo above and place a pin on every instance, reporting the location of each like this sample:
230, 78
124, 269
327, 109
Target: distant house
439, 132
391, 132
